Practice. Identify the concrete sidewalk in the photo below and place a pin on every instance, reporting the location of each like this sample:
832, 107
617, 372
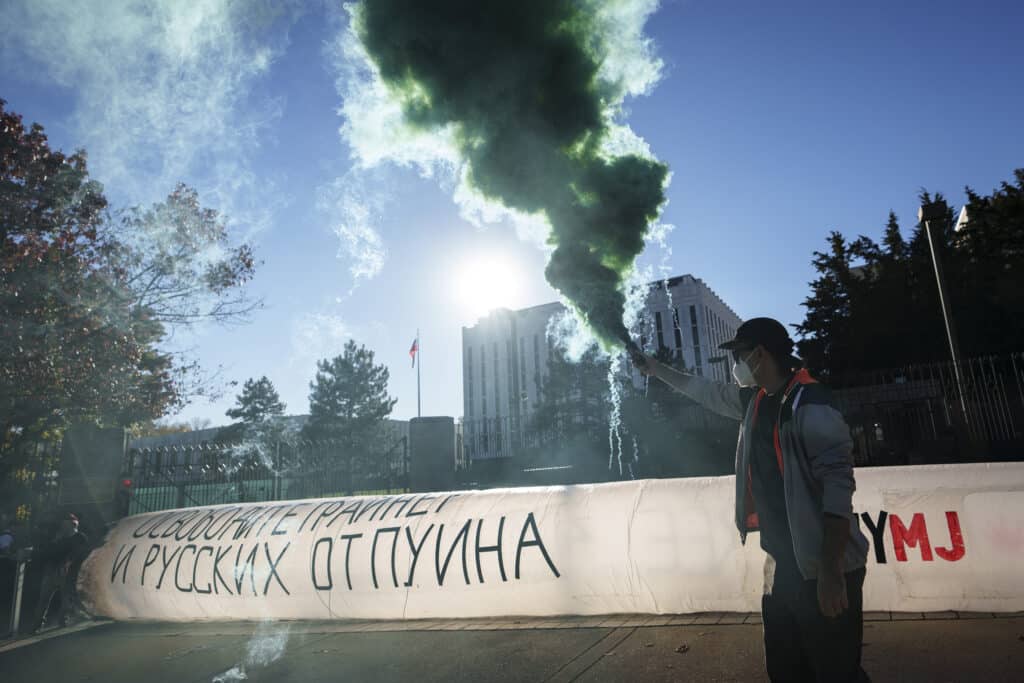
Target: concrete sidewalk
708, 647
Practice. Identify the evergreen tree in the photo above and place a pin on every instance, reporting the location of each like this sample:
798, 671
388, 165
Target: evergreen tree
348, 400
875, 307
826, 326
258, 410
895, 247
258, 403
572, 416
575, 394
989, 296
886, 314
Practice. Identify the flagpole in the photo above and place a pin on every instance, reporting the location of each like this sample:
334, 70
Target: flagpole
419, 362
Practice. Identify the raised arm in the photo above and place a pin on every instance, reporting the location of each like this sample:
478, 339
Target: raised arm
724, 399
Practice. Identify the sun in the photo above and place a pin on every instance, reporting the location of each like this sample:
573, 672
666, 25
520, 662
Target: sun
484, 282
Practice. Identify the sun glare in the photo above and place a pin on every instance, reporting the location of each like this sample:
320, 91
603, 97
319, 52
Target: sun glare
485, 282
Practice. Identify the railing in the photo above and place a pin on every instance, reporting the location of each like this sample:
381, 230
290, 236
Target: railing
28, 479
496, 437
930, 412
215, 473
914, 414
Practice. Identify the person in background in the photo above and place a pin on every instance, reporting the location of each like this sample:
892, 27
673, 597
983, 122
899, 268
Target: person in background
8, 572
6, 536
60, 562
794, 485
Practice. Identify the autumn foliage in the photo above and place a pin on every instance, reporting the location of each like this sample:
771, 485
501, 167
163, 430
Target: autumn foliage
86, 296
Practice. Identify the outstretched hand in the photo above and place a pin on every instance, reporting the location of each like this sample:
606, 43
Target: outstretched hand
645, 364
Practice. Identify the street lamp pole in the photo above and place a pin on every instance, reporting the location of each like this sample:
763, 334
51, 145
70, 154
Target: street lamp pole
932, 215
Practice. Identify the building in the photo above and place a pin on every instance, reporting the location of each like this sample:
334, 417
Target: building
689, 319
504, 361
505, 355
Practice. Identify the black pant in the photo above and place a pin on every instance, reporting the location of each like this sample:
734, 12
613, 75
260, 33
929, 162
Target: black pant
801, 644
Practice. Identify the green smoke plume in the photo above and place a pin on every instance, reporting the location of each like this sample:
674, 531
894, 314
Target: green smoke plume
518, 84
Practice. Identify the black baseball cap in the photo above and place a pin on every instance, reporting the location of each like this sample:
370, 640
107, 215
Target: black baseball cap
766, 332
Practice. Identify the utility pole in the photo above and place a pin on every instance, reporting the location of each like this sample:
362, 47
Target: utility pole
933, 215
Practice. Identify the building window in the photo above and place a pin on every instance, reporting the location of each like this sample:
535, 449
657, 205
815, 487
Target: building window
522, 363
536, 365
677, 333
510, 361
484, 432
483, 376
497, 392
661, 337
713, 334
469, 382
695, 332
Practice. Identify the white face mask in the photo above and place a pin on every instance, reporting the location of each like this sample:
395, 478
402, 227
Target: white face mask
743, 373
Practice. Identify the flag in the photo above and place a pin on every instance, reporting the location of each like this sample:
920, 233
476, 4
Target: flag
413, 349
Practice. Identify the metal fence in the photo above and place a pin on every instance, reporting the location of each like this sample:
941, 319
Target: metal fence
922, 413
29, 479
29, 492
502, 437
937, 412
216, 473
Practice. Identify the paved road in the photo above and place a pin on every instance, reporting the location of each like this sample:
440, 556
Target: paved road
622, 649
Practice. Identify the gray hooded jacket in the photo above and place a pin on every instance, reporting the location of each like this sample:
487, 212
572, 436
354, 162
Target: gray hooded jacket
817, 464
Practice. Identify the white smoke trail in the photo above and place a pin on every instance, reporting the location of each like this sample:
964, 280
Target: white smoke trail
615, 416
638, 291
161, 90
317, 335
266, 646
570, 336
354, 202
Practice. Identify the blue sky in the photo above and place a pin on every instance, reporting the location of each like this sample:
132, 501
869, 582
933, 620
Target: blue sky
779, 123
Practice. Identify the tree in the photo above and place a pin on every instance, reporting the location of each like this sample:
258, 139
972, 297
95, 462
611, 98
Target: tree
258, 409
146, 428
871, 306
826, 327
198, 424
258, 403
348, 400
989, 298
574, 398
875, 307
895, 247
178, 262
75, 345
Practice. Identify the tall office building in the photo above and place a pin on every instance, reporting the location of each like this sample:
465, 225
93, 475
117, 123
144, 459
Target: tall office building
505, 355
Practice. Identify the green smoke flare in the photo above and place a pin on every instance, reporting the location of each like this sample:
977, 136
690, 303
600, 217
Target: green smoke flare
518, 83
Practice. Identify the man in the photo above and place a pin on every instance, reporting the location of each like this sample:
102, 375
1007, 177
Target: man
794, 484
60, 561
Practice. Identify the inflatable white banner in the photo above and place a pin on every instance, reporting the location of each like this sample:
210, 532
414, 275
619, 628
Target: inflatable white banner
943, 538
